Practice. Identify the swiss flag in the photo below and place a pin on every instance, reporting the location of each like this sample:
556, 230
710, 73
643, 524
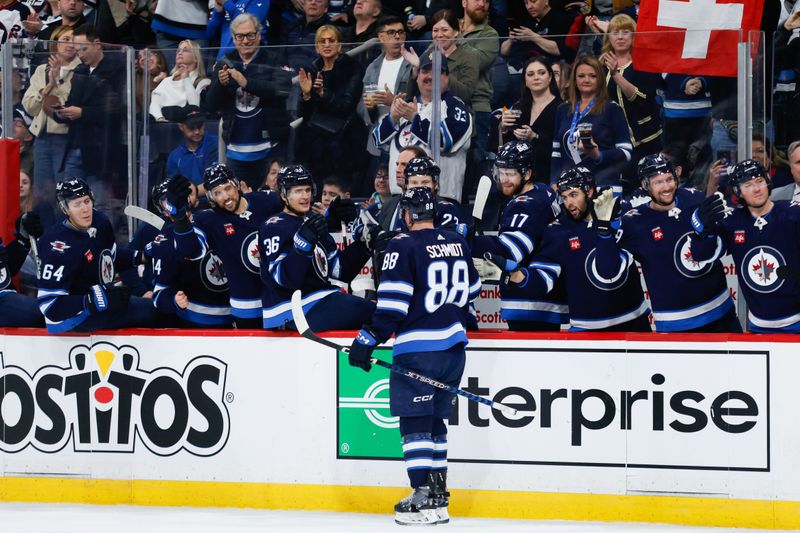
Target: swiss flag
695, 37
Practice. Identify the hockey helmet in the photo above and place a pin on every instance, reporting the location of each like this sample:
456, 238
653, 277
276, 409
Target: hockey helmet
745, 171
420, 203
653, 165
422, 166
218, 174
516, 154
70, 188
578, 177
294, 176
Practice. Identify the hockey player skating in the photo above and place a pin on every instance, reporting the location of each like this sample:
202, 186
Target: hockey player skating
426, 283
195, 291
297, 252
686, 294
568, 252
79, 260
763, 236
230, 228
531, 207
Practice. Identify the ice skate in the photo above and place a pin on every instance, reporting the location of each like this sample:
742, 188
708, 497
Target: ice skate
417, 509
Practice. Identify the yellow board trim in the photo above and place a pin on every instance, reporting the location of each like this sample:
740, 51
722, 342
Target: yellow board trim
723, 512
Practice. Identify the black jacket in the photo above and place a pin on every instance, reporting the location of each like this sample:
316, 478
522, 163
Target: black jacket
266, 80
343, 87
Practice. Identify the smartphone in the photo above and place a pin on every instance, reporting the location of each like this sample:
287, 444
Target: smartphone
57, 107
227, 62
724, 155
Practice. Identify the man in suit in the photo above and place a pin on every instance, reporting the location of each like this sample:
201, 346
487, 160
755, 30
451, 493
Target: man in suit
790, 192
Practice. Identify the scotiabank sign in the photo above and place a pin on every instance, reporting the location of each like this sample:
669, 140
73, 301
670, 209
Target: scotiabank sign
106, 399
660, 407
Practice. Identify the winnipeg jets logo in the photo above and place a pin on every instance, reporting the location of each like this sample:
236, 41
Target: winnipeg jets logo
60, 246
594, 277
246, 101
213, 274
273, 220
246, 215
759, 267
106, 266
249, 253
92, 232
320, 262
760, 222
675, 213
685, 262
3, 276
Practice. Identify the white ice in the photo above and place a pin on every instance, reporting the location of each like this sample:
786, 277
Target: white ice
61, 518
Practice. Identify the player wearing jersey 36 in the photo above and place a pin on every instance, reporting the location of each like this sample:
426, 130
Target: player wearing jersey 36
427, 282
297, 252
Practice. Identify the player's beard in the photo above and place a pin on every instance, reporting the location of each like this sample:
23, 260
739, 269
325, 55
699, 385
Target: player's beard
662, 204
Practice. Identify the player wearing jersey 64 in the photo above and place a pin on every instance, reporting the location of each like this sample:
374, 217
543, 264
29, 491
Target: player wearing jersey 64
427, 282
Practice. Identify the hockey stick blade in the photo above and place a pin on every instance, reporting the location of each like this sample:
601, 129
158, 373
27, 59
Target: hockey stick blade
303, 328
481, 196
134, 211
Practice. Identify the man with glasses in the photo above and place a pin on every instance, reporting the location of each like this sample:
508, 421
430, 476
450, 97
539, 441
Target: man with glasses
224, 12
385, 77
249, 87
197, 152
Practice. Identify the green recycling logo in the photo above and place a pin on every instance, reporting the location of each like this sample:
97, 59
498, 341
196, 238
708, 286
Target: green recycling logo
366, 428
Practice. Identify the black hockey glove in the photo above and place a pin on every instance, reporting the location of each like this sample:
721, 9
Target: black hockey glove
4, 273
382, 240
107, 298
605, 213
309, 234
361, 350
505, 267
341, 210
28, 225
710, 213
787, 272
178, 192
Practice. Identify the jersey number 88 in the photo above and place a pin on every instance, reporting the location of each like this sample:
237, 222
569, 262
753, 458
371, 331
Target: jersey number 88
446, 285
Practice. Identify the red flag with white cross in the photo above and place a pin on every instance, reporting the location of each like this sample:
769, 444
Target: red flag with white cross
695, 37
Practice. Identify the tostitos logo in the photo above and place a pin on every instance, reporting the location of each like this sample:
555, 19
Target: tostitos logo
103, 401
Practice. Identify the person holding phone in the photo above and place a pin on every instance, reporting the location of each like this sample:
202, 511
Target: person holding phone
540, 31
590, 129
49, 89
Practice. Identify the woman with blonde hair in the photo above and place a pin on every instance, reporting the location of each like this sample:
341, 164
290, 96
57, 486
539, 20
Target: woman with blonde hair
634, 91
49, 87
182, 87
590, 130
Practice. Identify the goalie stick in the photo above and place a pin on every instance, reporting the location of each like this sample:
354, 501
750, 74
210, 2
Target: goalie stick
134, 211
301, 324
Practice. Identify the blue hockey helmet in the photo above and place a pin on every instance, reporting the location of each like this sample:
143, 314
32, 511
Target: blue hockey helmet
578, 177
294, 176
422, 166
745, 171
70, 188
420, 203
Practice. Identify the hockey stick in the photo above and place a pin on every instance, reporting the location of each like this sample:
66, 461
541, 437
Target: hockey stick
35, 254
134, 211
481, 196
301, 324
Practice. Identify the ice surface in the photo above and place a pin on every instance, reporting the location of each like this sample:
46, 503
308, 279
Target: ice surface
62, 518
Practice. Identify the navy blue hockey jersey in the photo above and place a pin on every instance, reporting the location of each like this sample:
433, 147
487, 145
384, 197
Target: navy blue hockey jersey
759, 246
17, 253
235, 239
685, 293
284, 269
203, 281
72, 261
522, 224
427, 282
568, 252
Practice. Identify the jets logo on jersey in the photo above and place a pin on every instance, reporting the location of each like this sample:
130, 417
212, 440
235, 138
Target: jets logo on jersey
246, 215
657, 233
60, 246
759, 269
106, 265
249, 253
320, 262
3, 276
92, 232
229, 230
685, 263
738, 237
590, 267
574, 243
214, 277
246, 101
